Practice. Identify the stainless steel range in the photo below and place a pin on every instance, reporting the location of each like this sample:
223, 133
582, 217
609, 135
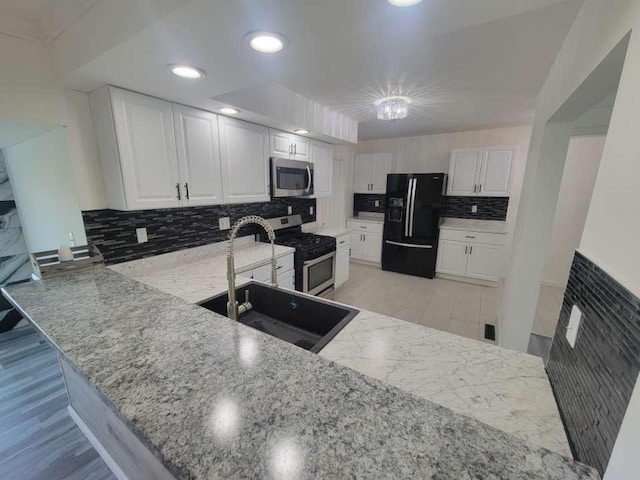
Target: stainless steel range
314, 258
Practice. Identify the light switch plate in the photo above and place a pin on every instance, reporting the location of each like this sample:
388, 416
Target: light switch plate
289, 210
474, 209
141, 233
310, 210
377, 203
574, 325
224, 223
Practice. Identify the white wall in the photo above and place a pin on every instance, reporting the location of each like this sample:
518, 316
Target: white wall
44, 191
83, 152
578, 179
612, 229
432, 153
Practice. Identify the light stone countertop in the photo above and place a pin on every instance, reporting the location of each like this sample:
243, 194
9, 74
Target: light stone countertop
368, 217
213, 398
483, 226
502, 388
328, 231
505, 389
200, 273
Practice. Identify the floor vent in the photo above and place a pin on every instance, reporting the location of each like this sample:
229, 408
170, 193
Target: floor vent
489, 332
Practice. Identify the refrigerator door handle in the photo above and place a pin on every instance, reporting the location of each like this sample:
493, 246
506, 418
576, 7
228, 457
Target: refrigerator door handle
406, 217
410, 245
412, 206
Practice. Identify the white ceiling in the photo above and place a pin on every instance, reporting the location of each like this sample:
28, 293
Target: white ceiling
466, 64
40, 20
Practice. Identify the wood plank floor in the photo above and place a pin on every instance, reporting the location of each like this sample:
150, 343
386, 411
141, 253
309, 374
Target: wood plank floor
38, 438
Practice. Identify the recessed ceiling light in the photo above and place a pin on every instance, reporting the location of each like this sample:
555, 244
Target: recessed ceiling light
265, 42
229, 111
187, 71
301, 131
404, 3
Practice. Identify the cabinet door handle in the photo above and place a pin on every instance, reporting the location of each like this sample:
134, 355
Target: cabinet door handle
480, 188
475, 189
470, 249
278, 268
466, 247
186, 188
469, 236
362, 226
178, 189
343, 241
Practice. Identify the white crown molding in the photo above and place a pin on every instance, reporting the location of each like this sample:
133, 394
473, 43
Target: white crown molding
51, 23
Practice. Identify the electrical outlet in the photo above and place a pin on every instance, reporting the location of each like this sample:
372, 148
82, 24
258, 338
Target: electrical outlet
574, 326
141, 233
72, 240
289, 210
377, 203
310, 210
474, 209
224, 223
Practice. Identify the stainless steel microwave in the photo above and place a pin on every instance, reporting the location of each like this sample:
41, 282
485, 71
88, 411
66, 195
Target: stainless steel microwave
291, 178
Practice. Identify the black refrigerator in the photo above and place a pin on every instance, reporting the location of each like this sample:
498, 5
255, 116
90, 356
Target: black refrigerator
412, 223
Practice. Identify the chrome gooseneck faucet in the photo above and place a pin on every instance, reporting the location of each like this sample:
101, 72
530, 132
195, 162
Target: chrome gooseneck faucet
233, 309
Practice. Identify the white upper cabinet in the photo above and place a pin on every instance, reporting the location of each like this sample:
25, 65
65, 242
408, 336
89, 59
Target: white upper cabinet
244, 152
481, 171
288, 145
495, 173
463, 171
370, 172
381, 164
198, 155
322, 158
136, 143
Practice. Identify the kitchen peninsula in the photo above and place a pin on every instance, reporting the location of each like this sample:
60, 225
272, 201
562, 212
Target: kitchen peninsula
205, 397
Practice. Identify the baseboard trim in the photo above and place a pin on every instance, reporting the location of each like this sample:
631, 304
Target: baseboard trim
366, 262
111, 463
474, 281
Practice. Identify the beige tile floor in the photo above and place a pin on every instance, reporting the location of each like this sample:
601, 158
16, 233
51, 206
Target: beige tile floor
455, 307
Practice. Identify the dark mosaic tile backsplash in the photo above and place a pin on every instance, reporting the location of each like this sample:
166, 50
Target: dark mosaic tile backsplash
489, 208
366, 202
593, 382
171, 229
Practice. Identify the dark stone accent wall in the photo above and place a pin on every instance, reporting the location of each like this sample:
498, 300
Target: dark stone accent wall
593, 382
171, 229
489, 208
366, 202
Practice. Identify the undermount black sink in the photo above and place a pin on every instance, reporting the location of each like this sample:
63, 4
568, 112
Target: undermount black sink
309, 323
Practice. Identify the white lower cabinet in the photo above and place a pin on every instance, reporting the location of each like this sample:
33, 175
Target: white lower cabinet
366, 240
343, 247
470, 254
286, 276
287, 280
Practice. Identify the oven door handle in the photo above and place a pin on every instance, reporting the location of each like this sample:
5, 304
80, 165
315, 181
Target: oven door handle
319, 259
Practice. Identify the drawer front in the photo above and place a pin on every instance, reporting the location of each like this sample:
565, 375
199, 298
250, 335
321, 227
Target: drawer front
263, 272
343, 240
365, 226
473, 237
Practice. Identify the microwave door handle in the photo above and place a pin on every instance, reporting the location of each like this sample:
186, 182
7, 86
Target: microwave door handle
308, 189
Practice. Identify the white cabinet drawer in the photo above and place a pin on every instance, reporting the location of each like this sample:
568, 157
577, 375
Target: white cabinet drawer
473, 237
355, 225
343, 240
263, 272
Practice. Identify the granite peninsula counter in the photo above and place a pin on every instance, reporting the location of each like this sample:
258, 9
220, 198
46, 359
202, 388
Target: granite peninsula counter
211, 398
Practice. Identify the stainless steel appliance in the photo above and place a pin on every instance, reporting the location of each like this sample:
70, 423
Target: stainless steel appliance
412, 223
314, 257
291, 178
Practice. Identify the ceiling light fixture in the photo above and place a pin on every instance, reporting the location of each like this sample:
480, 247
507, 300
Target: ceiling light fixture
404, 3
187, 71
229, 111
392, 108
265, 42
301, 131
